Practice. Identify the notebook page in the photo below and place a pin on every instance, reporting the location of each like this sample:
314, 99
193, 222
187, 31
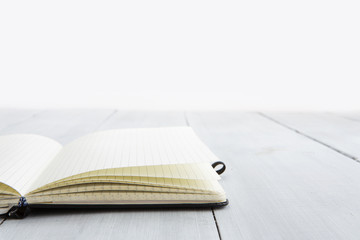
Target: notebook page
127, 148
6, 190
118, 197
23, 157
203, 185
187, 171
94, 187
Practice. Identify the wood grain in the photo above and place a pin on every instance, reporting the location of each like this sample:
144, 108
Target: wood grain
280, 184
106, 224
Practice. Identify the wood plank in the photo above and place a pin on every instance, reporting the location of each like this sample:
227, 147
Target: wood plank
134, 119
337, 132
355, 116
12, 117
114, 224
61, 125
281, 185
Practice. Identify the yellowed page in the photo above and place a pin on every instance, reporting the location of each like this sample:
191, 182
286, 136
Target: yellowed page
129, 148
6, 189
185, 171
191, 184
104, 186
23, 157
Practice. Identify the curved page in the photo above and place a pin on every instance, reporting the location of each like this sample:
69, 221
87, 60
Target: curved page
127, 148
23, 157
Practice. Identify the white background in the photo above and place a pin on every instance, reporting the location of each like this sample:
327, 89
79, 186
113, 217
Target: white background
244, 55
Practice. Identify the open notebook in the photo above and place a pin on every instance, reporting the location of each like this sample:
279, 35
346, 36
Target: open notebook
126, 167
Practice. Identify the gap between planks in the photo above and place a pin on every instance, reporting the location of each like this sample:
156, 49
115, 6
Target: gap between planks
106, 119
309, 137
212, 209
216, 223
2, 221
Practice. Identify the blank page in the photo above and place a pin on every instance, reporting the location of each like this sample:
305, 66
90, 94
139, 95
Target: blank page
127, 148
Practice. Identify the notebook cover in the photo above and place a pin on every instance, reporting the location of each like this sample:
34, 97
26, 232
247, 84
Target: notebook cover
127, 206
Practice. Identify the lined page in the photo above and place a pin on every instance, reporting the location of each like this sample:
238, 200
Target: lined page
204, 185
23, 157
187, 171
94, 187
127, 148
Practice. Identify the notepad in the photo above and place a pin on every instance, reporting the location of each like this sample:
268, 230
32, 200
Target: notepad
122, 167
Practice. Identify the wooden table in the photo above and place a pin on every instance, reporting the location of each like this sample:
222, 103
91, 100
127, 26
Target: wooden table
289, 176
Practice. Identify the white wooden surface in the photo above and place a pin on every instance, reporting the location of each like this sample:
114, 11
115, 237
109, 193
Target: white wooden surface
286, 177
340, 132
281, 185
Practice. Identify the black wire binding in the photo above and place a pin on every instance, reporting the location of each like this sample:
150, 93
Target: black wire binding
221, 170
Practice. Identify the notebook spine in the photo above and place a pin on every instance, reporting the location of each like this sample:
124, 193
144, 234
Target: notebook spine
20, 210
